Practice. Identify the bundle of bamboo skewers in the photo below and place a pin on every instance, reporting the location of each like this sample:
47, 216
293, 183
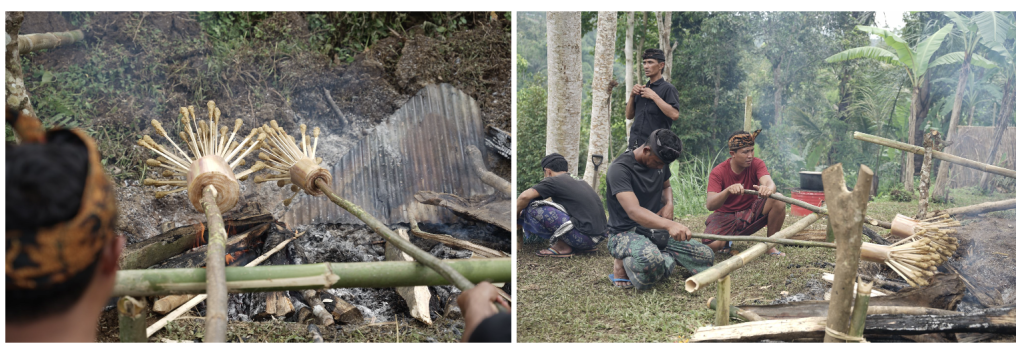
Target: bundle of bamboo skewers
293, 164
917, 257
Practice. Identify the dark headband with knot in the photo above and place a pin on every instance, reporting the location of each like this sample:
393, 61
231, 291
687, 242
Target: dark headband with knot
740, 141
656, 54
550, 159
665, 153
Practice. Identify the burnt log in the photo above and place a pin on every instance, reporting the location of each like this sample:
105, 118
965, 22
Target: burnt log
1001, 320
319, 312
277, 303
491, 209
239, 249
159, 248
343, 312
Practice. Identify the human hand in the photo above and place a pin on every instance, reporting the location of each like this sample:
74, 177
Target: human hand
764, 191
648, 93
477, 304
637, 88
679, 232
666, 211
734, 189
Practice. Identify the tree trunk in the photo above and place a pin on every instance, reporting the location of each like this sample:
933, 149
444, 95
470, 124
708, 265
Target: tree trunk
777, 98
942, 179
919, 113
1008, 106
931, 141
600, 117
846, 219
630, 69
565, 87
664, 20
15, 93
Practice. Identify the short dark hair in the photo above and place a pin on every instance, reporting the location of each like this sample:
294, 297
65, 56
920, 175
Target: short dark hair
555, 162
44, 186
665, 144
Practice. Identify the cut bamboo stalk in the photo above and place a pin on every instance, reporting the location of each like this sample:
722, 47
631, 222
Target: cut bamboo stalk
786, 242
722, 313
725, 267
735, 312
169, 303
156, 282
847, 220
131, 319
936, 154
216, 281
976, 209
38, 41
860, 309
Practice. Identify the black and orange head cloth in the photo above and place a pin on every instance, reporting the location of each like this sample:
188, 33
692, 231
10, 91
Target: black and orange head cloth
38, 258
744, 140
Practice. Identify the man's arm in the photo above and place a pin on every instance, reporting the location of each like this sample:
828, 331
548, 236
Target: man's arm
665, 108
524, 199
717, 200
666, 195
765, 186
651, 220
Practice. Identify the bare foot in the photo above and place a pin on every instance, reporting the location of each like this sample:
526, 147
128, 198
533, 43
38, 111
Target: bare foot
619, 272
775, 252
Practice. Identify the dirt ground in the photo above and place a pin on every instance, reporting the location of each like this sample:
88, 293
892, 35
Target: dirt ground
136, 67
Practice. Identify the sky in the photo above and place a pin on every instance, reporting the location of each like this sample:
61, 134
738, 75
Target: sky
891, 20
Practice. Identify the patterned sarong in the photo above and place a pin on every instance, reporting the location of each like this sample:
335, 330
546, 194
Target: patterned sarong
548, 221
646, 265
745, 222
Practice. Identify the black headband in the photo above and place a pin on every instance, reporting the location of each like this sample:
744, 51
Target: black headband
656, 54
550, 159
665, 153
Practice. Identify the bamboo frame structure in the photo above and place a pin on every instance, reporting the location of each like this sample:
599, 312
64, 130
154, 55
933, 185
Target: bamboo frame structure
152, 282
936, 154
727, 266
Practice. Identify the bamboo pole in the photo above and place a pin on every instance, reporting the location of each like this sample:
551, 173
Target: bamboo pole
722, 313
150, 282
727, 266
216, 282
38, 41
976, 209
786, 242
735, 312
847, 220
131, 322
860, 309
420, 255
936, 154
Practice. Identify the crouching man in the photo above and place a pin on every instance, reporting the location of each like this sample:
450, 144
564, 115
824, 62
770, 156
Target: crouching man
572, 222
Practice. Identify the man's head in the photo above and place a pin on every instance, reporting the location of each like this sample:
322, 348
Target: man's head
654, 62
61, 248
741, 147
554, 165
662, 147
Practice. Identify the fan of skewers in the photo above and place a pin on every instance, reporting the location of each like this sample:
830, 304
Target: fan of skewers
292, 162
917, 257
211, 158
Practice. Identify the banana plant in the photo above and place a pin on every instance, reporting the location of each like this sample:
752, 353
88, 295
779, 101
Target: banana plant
915, 61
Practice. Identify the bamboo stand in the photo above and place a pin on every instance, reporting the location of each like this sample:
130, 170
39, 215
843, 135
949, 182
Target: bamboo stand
847, 219
936, 154
724, 300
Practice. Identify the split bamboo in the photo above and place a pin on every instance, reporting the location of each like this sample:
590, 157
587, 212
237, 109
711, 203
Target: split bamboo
151, 282
860, 309
936, 154
847, 220
727, 266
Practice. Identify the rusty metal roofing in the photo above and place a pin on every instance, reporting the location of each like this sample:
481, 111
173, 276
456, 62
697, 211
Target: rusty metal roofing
420, 147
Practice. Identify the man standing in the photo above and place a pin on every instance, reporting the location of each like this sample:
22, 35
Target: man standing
639, 199
61, 249
572, 222
655, 105
736, 213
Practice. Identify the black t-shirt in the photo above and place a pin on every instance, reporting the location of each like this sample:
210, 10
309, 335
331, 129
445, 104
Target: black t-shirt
579, 200
626, 174
494, 329
647, 117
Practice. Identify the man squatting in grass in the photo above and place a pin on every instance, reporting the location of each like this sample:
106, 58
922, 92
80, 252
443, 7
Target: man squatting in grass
639, 199
572, 222
735, 213
655, 105
61, 245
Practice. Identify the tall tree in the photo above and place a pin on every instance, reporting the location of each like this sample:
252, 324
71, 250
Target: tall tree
967, 30
637, 68
664, 20
600, 115
793, 44
995, 30
628, 51
916, 62
15, 93
565, 86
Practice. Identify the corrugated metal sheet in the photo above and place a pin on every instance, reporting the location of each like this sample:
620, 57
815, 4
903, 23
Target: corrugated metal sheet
420, 147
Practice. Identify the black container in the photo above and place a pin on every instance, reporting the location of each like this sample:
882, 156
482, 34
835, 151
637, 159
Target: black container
811, 181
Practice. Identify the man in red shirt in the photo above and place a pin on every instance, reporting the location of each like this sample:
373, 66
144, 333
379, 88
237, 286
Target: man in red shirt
736, 213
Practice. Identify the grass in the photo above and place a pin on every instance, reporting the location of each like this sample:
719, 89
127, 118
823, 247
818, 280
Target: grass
571, 299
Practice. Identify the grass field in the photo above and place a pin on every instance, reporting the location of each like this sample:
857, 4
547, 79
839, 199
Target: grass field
571, 299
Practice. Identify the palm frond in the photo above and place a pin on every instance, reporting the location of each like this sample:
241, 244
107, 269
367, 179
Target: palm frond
993, 28
876, 53
903, 51
927, 47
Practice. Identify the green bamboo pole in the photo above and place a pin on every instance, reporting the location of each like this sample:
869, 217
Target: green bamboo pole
722, 313
762, 239
936, 154
153, 282
131, 322
800, 203
727, 266
39, 41
419, 255
216, 288
860, 309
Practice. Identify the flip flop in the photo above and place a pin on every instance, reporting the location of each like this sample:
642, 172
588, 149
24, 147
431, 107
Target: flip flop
554, 254
726, 249
614, 279
594, 250
777, 253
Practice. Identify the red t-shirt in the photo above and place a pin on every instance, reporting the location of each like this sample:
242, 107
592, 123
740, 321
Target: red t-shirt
722, 177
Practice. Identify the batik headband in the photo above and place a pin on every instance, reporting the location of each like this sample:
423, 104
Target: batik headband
740, 141
45, 256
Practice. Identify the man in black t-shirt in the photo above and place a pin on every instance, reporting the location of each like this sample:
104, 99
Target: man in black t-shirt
653, 106
639, 199
572, 222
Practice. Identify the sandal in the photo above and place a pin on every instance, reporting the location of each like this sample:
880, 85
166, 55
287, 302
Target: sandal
614, 279
593, 250
726, 249
777, 253
554, 254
